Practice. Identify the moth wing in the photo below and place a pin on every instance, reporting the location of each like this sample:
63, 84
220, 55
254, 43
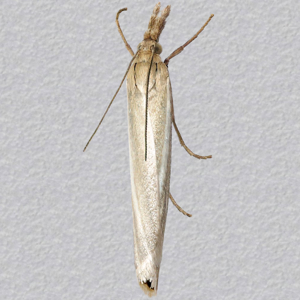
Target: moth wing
150, 180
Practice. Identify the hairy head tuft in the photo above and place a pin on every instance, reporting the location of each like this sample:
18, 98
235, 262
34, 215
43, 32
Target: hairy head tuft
157, 23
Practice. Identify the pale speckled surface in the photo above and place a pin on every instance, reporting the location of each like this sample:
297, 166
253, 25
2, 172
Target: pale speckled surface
66, 224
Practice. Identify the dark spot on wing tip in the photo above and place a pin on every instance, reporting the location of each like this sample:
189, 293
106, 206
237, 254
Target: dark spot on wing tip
146, 287
148, 282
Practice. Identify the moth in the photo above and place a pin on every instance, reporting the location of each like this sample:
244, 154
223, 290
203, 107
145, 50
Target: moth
150, 119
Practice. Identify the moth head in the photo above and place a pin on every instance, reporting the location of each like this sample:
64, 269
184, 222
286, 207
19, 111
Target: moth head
149, 46
157, 23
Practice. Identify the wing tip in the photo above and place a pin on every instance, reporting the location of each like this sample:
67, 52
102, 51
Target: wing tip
149, 287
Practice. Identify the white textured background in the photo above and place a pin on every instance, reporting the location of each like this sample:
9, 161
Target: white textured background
66, 223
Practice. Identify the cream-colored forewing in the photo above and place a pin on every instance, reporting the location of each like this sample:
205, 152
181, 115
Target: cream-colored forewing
150, 180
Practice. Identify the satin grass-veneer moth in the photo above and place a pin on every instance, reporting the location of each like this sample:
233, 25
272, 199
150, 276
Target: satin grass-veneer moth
150, 119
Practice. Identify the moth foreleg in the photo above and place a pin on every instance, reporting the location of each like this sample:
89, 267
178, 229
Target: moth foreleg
121, 32
180, 49
178, 207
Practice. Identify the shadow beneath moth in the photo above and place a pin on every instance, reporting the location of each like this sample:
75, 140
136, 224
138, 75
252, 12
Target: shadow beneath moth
150, 119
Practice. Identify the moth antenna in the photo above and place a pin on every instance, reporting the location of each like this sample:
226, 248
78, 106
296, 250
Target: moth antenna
121, 32
146, 110
111, 100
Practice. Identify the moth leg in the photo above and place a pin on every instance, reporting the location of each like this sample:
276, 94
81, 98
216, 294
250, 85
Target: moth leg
178, 207
121, 32
188, 150
178, 50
